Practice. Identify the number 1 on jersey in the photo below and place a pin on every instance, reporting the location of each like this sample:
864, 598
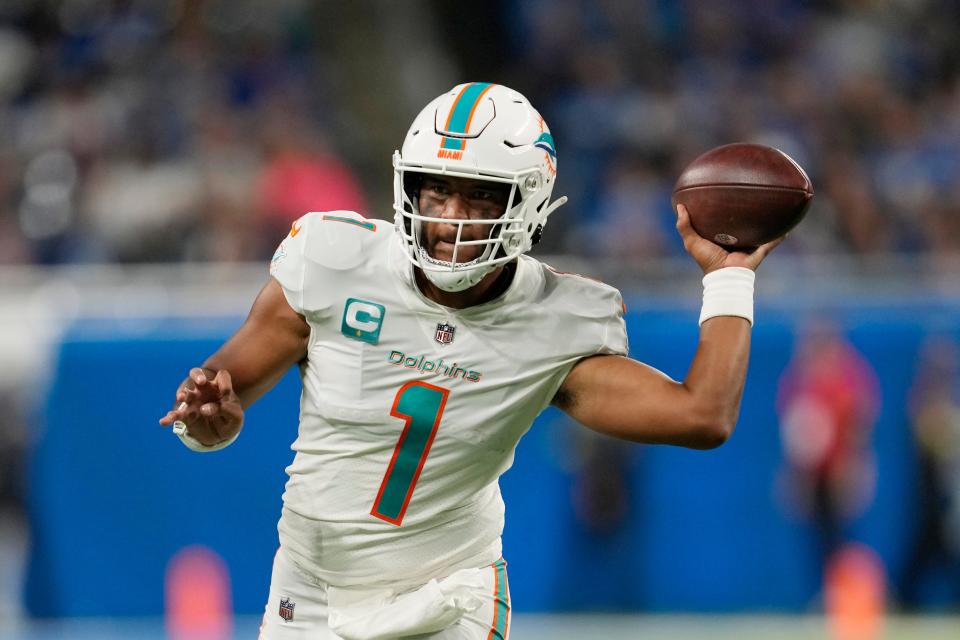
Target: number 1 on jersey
420, 406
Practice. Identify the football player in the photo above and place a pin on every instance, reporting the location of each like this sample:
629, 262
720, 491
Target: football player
426, 349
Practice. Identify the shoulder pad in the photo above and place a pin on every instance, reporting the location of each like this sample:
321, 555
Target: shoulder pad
591, 295
336, 239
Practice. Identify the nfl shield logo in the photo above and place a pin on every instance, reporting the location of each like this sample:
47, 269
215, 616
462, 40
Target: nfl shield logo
445, 333
286, 609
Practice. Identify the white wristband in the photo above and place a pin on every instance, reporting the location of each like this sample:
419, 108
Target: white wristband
180, 428
728, 292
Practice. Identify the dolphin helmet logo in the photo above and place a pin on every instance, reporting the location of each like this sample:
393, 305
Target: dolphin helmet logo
545, 142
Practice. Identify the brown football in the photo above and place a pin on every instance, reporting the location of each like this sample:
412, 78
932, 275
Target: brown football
742, 195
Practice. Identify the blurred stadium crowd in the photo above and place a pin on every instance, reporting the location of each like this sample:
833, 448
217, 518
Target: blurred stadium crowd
145, 131
172, 130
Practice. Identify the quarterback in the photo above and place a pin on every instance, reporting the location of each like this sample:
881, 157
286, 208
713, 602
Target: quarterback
426, 348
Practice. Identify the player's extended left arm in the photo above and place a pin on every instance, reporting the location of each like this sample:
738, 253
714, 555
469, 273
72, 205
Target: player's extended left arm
630, 400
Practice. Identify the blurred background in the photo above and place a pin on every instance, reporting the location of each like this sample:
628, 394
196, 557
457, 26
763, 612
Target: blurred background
154, 152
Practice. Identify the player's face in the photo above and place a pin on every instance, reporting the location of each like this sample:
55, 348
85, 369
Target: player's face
459, 199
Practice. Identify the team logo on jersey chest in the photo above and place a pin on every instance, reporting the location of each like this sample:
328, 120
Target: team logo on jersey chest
444, 334
286, 609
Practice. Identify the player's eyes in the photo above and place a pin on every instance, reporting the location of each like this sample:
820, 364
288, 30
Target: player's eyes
487, 197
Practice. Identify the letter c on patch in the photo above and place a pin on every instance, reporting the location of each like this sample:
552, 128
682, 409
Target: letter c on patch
363, 316
362, 320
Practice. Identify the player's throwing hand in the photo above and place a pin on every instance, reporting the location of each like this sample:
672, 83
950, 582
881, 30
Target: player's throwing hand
711, 256
208, 406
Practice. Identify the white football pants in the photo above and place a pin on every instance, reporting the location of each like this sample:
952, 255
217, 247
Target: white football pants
473, 604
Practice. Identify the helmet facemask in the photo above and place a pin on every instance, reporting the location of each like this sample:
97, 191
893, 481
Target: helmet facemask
502, 140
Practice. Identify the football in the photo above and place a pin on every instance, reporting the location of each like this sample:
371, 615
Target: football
743, 195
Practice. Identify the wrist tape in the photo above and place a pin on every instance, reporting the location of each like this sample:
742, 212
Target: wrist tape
728, 292
180, 428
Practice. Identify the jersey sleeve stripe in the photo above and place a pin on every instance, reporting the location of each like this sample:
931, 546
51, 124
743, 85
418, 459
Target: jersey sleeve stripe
363, 224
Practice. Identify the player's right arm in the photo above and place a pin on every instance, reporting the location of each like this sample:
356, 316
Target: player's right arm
211, 400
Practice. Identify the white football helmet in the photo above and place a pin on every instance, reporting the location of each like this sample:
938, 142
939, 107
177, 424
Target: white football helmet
486, 132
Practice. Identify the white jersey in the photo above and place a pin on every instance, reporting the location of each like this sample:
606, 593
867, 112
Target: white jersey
411, 410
